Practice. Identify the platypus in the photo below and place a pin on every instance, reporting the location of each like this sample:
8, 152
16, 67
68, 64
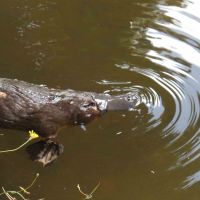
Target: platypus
27, 106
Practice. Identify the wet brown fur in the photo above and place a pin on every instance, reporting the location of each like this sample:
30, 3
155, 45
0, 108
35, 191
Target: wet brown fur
28, 106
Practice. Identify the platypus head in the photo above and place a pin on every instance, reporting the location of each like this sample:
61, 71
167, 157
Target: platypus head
83, 109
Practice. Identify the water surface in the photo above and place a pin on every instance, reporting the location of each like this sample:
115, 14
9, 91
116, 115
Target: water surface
147, 47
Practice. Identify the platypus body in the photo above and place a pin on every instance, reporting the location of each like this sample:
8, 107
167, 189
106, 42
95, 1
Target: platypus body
27, 106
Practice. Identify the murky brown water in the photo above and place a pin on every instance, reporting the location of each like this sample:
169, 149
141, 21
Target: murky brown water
151, 47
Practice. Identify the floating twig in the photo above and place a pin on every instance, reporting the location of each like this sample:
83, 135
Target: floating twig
9, 194
32, 135
88, 196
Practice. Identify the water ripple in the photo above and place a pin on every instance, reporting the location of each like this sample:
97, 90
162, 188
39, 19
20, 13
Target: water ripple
174, 50
145, 96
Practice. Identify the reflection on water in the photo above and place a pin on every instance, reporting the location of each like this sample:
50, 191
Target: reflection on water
149, 48
175, 51
33, 27
178, 53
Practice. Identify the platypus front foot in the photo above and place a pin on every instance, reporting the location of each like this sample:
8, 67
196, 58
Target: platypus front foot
45, 151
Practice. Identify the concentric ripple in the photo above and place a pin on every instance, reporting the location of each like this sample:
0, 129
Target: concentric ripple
175, 53
145, 96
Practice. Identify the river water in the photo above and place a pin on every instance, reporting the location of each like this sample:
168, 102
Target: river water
149, 47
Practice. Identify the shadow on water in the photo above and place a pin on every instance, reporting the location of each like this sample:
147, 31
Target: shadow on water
149, 48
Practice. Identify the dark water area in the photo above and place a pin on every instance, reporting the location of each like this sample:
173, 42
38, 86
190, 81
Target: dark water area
147, 47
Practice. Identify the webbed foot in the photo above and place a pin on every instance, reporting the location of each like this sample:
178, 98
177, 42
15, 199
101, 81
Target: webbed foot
45, 151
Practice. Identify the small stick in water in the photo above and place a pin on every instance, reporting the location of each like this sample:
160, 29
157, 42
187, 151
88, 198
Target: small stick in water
22, 189
88, 196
